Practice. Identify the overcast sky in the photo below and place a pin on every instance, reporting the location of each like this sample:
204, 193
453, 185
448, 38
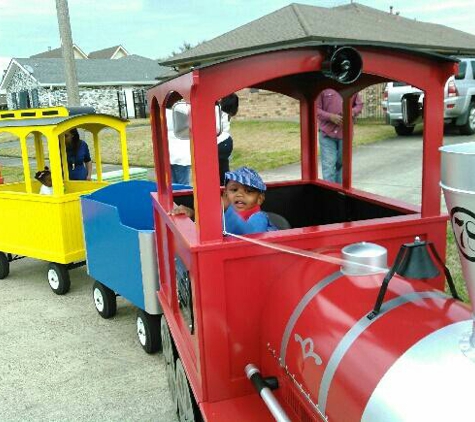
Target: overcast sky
155, 28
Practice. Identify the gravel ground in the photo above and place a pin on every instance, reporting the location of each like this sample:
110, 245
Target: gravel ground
60, 361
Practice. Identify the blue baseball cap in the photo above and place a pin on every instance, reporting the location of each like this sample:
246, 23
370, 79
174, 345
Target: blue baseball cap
247, 177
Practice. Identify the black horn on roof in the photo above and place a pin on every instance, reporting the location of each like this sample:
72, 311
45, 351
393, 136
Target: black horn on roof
343, 64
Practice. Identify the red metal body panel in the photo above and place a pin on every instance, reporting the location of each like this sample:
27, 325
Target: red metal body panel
233, 281
329, 316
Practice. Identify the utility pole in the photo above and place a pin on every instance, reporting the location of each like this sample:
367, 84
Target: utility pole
64, 24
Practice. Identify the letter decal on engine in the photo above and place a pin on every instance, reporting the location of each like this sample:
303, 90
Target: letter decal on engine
463, 225
307, 349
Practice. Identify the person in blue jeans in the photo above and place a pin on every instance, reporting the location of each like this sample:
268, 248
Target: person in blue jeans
243, 195
79, 158
330, 119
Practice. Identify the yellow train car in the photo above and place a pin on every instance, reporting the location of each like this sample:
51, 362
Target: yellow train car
49, 227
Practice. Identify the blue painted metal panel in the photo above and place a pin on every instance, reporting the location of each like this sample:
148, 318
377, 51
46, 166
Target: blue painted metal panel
113, 217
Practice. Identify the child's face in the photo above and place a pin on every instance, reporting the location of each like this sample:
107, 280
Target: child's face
47, 180
242, 197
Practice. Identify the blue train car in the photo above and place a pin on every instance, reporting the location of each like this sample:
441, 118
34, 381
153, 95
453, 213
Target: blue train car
121, 253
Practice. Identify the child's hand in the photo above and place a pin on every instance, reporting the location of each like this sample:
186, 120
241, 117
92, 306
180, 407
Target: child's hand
225, 201
181, 209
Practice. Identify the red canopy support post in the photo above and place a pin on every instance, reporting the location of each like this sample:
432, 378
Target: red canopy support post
308, 139
347, 140
208, 208
433, 139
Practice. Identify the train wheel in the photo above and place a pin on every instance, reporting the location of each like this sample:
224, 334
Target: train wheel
104, 300
4, 266
170, 354
187, 408
58, 278
148, 331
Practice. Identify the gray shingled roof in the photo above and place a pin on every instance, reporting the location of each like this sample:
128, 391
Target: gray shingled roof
349, 24
55, 53
105, 53
131, 70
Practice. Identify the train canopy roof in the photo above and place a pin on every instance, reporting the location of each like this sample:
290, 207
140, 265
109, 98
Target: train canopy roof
351, 24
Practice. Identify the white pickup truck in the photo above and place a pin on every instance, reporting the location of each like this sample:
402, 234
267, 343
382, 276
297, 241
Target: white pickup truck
403, 103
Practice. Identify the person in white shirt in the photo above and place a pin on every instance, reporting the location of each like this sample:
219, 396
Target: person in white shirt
179, 148
44, 177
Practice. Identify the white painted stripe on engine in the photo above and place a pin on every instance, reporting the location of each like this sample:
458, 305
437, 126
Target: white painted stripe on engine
431, 381
352, 335
306, 299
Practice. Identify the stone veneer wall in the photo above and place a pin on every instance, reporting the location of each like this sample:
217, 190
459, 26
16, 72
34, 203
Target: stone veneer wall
103, 98
261, 104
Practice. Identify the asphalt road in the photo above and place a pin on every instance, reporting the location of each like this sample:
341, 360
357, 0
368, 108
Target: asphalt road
60, 361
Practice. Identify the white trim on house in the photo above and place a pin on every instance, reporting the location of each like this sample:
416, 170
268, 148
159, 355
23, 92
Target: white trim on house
119, 48
83, 54
9, 74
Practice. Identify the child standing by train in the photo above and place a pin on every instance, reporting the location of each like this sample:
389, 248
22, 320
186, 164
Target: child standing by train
242, 199
44, 177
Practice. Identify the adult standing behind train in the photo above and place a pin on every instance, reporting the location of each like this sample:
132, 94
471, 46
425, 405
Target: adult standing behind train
179, 147
229, 108
330, 120
79, 158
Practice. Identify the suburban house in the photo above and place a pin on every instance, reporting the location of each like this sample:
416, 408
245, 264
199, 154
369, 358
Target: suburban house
4, 61
116, 52
58, 54
305, 25
110, 80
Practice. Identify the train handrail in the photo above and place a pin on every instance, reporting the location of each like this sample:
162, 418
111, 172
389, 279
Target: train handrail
254, 375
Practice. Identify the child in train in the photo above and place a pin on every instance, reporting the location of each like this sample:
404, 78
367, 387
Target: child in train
242, 199
44, 177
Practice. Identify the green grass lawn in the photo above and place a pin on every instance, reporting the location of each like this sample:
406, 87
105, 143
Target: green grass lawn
258, 144
266, 145
12, 174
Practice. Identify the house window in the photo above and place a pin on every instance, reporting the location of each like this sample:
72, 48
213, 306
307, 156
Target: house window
122, 104
24, 99
35, 100
140, 103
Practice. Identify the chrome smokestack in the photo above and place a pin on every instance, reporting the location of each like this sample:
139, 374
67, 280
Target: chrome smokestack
458, 185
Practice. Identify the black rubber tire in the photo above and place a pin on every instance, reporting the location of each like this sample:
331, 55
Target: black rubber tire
4, 266
148, 331
58, 278
469, 127
403, 130
187, 408
170, 354
105, 300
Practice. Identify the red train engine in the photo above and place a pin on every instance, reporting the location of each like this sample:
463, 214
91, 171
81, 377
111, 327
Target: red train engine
295, 305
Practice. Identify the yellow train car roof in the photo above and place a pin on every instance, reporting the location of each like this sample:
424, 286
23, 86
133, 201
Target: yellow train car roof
54, 116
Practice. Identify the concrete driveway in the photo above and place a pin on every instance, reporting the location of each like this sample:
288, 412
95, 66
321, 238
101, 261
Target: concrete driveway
60, 361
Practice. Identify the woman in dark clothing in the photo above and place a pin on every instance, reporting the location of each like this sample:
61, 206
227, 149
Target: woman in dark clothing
79, 158
229, 107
